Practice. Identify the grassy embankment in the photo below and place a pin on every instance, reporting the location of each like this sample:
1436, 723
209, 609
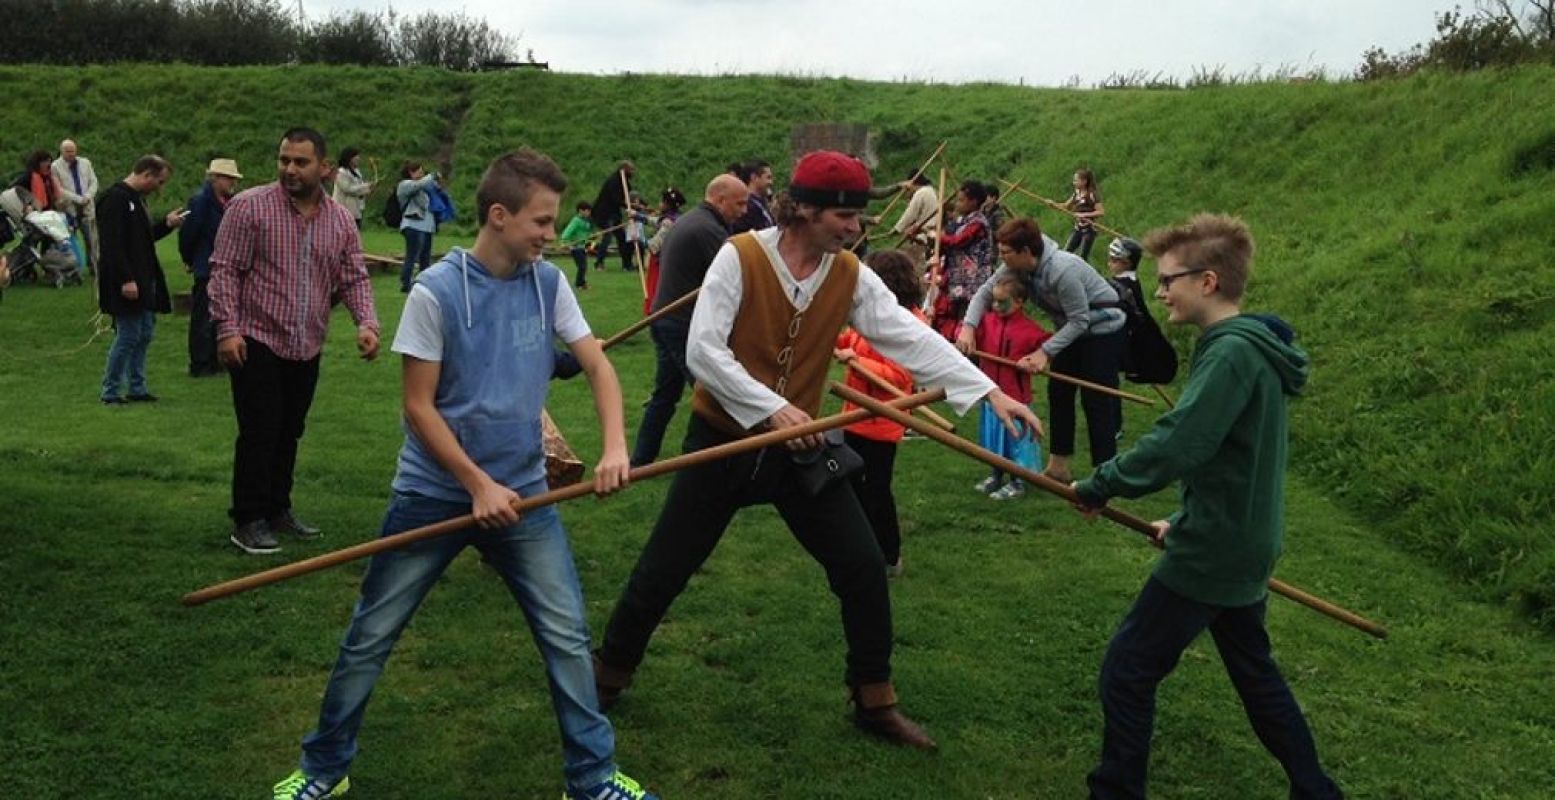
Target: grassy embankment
1403, 230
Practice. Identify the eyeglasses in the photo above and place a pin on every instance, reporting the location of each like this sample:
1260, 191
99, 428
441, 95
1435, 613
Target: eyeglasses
1165, 281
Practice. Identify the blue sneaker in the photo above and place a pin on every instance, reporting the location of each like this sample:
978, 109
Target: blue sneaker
619, 787
298, 786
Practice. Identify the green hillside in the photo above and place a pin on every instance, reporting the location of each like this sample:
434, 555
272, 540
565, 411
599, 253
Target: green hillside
1404, 228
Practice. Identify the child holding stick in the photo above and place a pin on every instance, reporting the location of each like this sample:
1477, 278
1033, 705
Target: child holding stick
1008, 332
476, 337
875, 439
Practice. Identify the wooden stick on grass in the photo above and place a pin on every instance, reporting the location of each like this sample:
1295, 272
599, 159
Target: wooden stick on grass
398, 540
1064, 491
1059, 376
632, 329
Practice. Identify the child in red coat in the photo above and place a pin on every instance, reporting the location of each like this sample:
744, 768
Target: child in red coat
875, 439
1008, 332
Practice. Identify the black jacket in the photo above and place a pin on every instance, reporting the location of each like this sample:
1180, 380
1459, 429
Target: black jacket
688, 251
129, 253
611, 200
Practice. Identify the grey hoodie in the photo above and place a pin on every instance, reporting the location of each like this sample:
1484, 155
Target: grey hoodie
1067, 288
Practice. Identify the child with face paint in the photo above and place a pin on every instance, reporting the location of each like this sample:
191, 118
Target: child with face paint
1008, 332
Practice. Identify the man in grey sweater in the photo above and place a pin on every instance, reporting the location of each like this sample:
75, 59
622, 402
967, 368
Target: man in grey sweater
1087, 342
688, 250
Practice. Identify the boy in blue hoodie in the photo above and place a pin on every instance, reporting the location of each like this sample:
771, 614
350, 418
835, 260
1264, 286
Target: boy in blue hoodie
1226, 442
476, 339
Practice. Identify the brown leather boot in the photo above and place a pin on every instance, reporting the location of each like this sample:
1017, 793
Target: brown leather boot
609, 683
875, 711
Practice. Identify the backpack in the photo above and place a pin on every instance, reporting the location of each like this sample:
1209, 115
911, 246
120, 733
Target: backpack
393, 212
1147, 355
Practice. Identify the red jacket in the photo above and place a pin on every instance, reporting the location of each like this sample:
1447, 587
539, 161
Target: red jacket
879, 429
1013, 336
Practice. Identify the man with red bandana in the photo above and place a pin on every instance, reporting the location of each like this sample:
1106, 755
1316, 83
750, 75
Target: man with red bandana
760, 345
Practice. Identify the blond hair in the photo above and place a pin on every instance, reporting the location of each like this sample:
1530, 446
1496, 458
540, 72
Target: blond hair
1218, 243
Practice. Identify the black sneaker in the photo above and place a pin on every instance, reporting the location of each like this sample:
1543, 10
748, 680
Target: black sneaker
255, 538
143, 398
287, 522
113, 401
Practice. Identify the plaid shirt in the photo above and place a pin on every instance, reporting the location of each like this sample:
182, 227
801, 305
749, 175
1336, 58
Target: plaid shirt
274, 271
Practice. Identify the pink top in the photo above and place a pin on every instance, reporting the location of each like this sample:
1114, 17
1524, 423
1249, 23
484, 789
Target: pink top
1013, 336
274, 271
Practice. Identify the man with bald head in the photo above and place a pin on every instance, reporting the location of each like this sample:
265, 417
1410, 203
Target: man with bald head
688, 250
75, 174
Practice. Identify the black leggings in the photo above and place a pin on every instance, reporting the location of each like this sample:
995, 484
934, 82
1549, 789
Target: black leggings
1080, 242
872, 485
1096, 359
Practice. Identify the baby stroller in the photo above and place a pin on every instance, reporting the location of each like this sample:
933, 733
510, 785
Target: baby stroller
44, 242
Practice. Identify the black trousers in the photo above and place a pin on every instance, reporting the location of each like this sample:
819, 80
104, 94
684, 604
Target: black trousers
1080, 241
202, 331
1146, 649
1096, 359
701, 502
872, 485
271, 396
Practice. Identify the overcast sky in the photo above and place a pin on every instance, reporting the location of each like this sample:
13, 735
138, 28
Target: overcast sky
1040, 42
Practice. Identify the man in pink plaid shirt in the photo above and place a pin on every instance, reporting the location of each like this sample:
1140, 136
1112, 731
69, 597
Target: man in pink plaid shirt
283, 251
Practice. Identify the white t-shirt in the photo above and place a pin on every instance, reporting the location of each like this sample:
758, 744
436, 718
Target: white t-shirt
421, 324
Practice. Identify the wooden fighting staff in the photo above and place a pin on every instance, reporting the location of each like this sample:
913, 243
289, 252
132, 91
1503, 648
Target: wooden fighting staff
1057, 206
399, 540
900, 194
892, 389
1064, 491
1059, 376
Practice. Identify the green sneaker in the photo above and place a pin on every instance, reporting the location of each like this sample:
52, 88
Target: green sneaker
298, 786
619, 787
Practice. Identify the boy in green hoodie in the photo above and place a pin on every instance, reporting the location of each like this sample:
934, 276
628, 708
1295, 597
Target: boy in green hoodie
1226, 442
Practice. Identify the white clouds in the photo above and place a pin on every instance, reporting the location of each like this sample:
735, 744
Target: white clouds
1038, 41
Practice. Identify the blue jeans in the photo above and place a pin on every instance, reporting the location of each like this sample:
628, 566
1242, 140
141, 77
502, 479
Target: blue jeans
535, 560
580, 258
1145, 650
132, 337
670, 378
418, 254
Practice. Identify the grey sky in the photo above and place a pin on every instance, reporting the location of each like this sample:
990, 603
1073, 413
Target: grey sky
1043, 42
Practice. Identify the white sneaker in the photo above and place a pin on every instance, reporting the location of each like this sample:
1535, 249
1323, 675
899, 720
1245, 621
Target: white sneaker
1009, 491
987, 485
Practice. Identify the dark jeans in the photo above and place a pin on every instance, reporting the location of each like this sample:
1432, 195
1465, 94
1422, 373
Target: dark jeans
670, 379
1145, 650
872, 485
580, 259
418, 255
271, 396
1080, 241
1096, 359
701, 502
603, 247
202, 331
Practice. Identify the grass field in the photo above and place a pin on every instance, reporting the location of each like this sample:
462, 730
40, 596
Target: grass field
112, 689
1403, 228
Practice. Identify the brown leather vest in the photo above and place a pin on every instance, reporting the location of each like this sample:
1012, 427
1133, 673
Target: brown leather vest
787, 350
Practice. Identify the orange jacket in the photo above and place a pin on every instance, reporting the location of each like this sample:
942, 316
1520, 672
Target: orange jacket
879, 429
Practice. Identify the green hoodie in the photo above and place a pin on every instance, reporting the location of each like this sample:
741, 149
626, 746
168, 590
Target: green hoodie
1226, 442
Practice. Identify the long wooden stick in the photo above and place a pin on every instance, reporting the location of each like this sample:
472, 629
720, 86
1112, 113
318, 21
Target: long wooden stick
637, 251
1165, 398
899, 195
890, 388
1059, 376
576, 490
632, 329
1064, 491
1057, 206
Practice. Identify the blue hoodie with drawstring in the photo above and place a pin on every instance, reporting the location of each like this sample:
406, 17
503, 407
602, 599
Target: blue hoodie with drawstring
1226, 441
497, 363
